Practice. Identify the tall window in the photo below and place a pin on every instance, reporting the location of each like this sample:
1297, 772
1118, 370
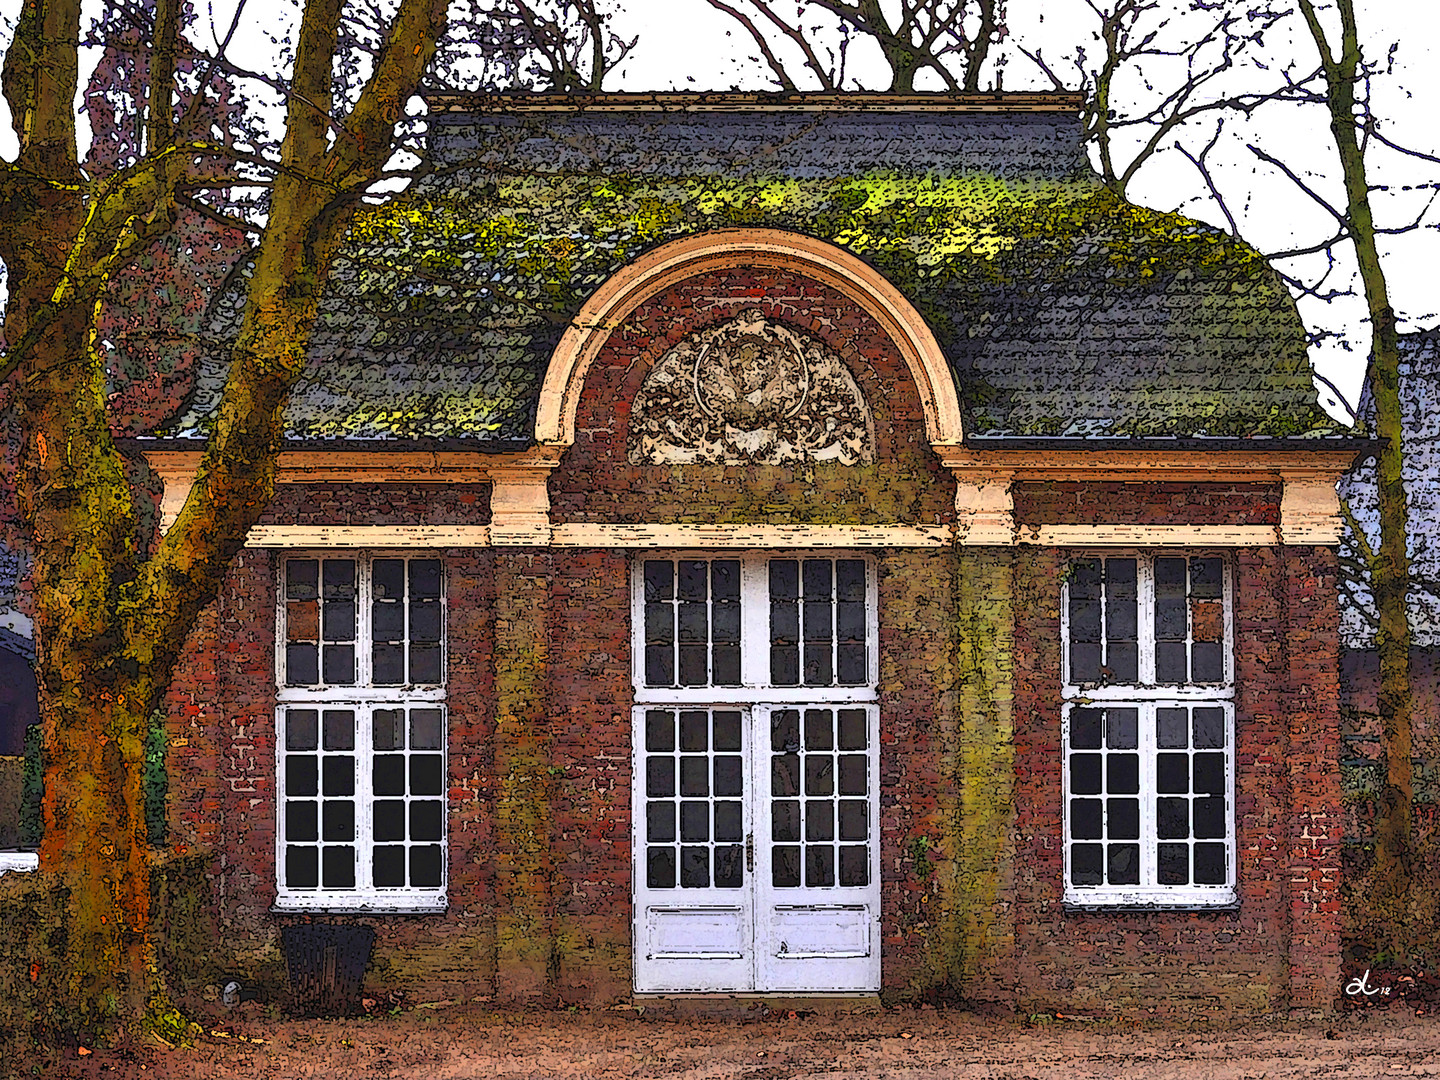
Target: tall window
1149, 731
360, 733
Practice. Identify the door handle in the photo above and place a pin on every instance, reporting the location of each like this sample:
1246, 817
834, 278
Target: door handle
750, 853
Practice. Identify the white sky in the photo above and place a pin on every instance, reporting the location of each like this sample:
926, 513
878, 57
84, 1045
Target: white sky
687, 45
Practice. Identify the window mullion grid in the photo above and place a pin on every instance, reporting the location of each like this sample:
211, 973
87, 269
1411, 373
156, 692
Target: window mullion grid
1149, 803
1145, 616
1104, 591
754, 622
364, 798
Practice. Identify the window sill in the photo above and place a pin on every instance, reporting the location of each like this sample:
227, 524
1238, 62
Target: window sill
1131, 905
360, 905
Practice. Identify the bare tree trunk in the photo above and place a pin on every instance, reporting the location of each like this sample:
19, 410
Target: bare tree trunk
1393, 875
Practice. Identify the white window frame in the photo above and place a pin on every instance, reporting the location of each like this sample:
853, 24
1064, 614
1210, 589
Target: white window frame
1147, 696
755, 685
363, 699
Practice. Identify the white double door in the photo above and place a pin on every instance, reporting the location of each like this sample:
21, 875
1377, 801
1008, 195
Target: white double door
757, 848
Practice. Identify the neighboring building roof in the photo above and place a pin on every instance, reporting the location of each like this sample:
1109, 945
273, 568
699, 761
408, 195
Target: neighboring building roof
1420, 413
1063, 310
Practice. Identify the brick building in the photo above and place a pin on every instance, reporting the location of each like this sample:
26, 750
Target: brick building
801, 545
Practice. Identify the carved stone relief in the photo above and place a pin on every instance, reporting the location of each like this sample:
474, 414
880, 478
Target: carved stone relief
750, 392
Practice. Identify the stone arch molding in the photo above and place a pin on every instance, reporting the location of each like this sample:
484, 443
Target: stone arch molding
681, 259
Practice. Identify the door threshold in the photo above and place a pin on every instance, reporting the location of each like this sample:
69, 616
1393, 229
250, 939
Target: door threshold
721, 1004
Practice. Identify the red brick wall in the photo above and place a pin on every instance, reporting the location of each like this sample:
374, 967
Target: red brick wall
1116, 503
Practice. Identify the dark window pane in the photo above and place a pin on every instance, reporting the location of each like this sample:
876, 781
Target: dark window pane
337, 865
1209, 774
659, 581
853, 729
1207, 577
819, 866
387, 620
339, 820
1210, 818
1122, 774
819, 729
1122, 819
1122, 728
1085, 774
1207, 659
850, 579
339, 775
1170, 576
728, 777
784, 579
816, 579
659, 624
695, 776
338, 619
854, 865
727, 731
388, 664
1084, 663
302, 867
817, 665
1084, 620
1172, 819
817, 621
426, 819
1123, 660
659, 731
725, 622
819, 820
387, 774
659, 821
1085, 728
850, 665
1124, 864
725, 665
1170, 618
785, 821
694, 623
1171, 728
425, 866
729, 867
694, 822
424, 578
389, 819
785, 867
300, 823
339, 729
426, 774
387, 577
1120, 618
660, 866
659, 665
660, 777
1210, 866
388, 865
820, 775
693, 666
729, 822
301, 576
785, 729
850, 621
1120, 576
426, 731
785, 775
340, 664
784, 622
1209, 728
1170, 662
1085, 578
338, 577
302, 729
854, 819
425, 620
785, 665
1174, 864
694, 867
694, 730
302, 775
1087, 864
302, 665
1085, 819
1172, 773
692, 585
725, 579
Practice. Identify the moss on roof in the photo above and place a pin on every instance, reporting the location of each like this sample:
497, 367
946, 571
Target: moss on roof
1062, 309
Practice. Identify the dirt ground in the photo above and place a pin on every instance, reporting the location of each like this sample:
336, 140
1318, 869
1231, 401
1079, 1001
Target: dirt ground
755, 1043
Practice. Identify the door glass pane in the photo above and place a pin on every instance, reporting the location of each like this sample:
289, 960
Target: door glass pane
820, 798
694, 816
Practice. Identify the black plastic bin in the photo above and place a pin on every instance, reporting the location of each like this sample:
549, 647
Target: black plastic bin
326, 964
